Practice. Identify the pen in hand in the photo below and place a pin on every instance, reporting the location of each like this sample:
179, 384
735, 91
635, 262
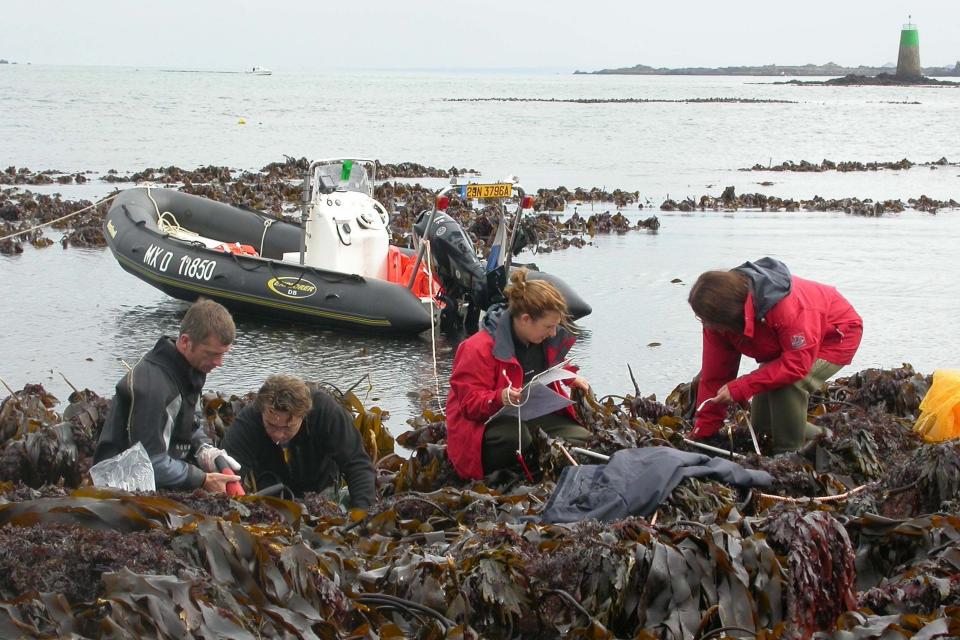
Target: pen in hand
509, 394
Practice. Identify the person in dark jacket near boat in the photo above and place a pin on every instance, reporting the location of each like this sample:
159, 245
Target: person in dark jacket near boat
801, 332
517, 341
156, 403
301, 439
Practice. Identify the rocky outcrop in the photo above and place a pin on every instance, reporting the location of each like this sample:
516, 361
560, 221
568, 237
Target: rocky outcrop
848, 166
880, 79
853, 206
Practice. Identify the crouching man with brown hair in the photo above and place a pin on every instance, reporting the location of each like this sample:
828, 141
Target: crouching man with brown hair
156, 403
301, 439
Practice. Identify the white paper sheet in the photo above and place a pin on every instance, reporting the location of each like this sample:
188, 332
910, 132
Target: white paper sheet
536, 398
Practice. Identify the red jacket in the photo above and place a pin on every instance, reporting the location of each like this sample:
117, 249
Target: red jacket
477, 382
789, 323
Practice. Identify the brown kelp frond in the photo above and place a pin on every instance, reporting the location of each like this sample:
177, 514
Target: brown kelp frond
439, 557
820, 563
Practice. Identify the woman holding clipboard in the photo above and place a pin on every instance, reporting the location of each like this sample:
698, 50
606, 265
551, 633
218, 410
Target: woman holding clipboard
518, 341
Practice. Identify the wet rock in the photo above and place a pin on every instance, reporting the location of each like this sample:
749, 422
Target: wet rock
715, 100
881, 79
9, 212
847, 166
652, 223
852, 206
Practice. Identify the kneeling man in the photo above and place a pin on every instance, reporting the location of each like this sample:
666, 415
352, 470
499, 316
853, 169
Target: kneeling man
156, 404
302, 439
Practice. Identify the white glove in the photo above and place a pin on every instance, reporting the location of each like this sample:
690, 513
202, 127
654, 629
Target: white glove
207, 457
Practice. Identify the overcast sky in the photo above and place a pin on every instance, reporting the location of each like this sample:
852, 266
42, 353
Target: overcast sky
561, 35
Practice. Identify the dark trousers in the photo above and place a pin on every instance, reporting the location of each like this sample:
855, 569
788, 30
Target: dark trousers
500, 438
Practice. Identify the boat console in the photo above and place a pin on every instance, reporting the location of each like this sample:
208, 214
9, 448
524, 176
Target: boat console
345, 227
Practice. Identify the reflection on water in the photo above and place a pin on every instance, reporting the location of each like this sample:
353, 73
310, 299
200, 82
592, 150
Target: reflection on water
77, 313
390, 370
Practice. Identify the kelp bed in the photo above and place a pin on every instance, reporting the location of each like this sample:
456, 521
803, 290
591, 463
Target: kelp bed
858, 538
276, 190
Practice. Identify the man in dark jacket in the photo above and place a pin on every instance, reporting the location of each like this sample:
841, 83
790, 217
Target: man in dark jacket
302, 440
156, 403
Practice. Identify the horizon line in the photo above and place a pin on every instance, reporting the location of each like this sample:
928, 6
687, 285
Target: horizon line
485, 69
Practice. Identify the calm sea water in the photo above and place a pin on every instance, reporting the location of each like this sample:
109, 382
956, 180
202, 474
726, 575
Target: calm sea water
75, 312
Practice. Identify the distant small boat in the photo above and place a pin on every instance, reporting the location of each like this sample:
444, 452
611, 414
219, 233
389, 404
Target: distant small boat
260, 71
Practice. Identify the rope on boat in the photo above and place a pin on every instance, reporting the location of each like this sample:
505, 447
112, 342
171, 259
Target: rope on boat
167, 223
149, 185
266, 225
69, 215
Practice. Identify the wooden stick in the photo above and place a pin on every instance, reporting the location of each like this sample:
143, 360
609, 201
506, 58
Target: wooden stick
636, 387
75, 390
839, 496
12, 392
566, 453
707, 447
753, 434
592, 454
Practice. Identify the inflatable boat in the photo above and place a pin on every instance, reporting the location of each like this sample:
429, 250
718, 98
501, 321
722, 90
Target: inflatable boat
335, 269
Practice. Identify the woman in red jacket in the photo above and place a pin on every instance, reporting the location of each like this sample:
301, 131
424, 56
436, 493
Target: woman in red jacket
801, 332
517, 341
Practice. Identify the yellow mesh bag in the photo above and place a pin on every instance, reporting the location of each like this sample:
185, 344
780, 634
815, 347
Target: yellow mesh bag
940, 410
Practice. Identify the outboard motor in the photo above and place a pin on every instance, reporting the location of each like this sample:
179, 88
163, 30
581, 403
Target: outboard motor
461, 272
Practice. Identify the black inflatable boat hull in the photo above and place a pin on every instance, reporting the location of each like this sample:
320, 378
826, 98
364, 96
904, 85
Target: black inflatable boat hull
263, 285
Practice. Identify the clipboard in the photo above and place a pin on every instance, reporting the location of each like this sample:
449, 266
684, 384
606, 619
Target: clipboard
554, 374
536, 398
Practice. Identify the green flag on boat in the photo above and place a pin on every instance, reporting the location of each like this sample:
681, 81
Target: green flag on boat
345, 171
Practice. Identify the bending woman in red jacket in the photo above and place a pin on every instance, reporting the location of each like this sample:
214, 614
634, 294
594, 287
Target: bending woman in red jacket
517, 341
801, 332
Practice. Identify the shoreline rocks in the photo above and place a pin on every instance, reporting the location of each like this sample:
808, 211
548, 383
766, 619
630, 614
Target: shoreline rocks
276, 190
729, 201
828, 69
630, 100
881, 79
291, 169
805, 166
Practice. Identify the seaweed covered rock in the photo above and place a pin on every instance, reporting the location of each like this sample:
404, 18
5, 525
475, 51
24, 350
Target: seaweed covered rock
857, 537
69, 559
37, 447
820, 565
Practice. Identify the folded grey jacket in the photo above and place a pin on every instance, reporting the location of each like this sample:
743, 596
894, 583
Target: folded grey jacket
635, 481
